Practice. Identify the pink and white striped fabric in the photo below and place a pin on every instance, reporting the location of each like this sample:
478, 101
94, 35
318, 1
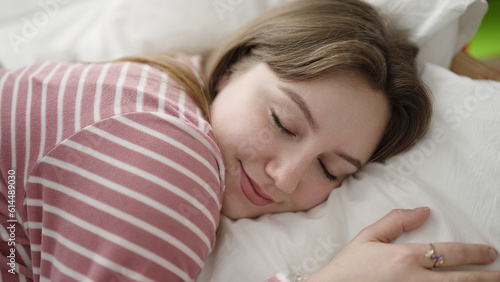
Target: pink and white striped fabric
117, 177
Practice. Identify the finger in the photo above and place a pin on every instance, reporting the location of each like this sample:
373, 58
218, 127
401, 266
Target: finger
486, 276
457, 254
393, 224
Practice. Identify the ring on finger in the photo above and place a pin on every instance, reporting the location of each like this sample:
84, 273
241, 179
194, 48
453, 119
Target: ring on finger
437, 259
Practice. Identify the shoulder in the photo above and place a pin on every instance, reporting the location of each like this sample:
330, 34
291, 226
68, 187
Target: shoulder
138, 150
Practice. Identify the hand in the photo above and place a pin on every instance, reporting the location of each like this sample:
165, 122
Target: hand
370, 257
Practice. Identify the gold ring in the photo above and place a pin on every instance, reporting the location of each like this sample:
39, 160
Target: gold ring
437, 259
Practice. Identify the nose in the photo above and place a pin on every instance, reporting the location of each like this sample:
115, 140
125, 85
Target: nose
287, 172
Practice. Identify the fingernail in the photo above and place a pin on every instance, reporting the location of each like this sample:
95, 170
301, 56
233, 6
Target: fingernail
493, 254
421, 209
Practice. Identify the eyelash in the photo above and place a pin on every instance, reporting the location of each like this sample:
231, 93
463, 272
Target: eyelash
280, 126
326, 173
283, 129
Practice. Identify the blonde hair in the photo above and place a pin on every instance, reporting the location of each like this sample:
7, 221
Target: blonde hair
180, 73
307, 39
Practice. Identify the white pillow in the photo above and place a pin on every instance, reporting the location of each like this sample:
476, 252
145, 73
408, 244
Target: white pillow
93, 30
454, 171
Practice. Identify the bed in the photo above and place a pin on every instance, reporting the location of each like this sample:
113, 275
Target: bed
455, 169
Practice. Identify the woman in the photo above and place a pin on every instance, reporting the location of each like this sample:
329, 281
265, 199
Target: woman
117, 174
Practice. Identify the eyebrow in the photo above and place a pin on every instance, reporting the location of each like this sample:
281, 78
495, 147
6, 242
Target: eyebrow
297, 99
353, 161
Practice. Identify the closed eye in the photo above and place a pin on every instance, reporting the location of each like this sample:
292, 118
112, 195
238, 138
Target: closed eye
280, 125
326, 173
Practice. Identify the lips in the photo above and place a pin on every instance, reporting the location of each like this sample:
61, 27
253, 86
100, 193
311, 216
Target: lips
252, 190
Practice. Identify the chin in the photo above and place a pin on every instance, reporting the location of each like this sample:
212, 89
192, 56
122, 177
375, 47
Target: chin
235, 206
239, 211
235, 213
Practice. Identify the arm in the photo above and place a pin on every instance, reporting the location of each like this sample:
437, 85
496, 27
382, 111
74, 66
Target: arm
133, 197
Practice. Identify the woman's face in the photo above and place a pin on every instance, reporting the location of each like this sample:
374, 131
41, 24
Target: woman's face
287, 145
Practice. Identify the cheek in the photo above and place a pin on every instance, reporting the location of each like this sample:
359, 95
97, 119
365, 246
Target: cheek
250, 134
311, 196
259, 141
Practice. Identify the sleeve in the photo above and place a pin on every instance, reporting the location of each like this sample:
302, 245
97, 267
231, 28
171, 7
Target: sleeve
280, 277
288, 277
133, 197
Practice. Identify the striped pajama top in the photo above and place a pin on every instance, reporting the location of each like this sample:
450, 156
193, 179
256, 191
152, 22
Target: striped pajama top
108, 173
